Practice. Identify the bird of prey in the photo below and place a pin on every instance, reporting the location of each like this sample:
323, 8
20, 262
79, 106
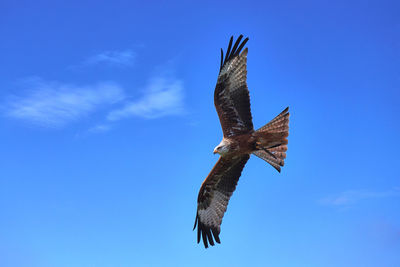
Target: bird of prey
240, 140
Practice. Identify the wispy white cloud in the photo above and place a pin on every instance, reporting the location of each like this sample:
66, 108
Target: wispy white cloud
97, 129
116, 58
350, 197
163, 96
54, 104
100, 128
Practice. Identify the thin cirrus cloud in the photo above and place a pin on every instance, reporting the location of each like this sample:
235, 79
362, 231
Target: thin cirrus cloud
114, 58
100, 128
351, 197
54, 104
162, 97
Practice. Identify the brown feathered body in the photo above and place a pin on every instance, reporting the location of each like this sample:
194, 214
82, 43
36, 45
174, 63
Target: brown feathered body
268, 142
238, 145
240, 140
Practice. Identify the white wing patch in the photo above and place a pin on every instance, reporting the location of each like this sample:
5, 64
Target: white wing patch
237, 73
213, 214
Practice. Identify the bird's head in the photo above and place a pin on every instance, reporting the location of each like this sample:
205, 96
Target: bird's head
222, 148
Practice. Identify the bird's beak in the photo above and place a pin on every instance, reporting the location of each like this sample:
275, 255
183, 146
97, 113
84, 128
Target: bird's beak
215, 152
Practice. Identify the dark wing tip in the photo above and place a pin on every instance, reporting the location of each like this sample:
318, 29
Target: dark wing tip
222, 59
195, 221
234, 52
204, 236
241, 47
229, 47
216, 235
208, 234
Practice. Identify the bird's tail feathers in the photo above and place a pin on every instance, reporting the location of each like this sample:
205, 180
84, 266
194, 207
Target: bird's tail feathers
272, 140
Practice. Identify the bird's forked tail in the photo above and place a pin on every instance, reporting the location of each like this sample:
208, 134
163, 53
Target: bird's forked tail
271, 140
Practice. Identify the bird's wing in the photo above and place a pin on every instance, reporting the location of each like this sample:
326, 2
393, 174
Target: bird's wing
214, 195
231, 95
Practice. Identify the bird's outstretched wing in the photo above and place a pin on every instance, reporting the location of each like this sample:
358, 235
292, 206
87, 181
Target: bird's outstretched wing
214, 195
231, 95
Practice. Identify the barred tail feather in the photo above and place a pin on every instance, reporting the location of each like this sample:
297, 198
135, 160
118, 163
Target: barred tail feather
278, 124
272, 140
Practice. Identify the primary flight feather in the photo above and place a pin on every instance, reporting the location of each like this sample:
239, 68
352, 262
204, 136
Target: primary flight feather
240, 140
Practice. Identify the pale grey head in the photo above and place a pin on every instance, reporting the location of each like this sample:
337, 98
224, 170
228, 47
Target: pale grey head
222, 148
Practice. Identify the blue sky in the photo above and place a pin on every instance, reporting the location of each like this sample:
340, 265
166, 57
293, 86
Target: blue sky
107, 127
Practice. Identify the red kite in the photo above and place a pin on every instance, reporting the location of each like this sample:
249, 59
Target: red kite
240, 140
